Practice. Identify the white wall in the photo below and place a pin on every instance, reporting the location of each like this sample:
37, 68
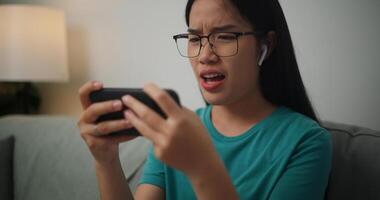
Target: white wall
126, 43
337, 45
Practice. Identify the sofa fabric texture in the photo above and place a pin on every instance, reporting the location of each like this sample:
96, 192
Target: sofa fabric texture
49, 160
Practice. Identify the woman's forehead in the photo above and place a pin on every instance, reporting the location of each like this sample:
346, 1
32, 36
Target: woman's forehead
208, 14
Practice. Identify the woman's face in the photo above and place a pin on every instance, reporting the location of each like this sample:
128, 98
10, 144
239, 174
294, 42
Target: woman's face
237, 75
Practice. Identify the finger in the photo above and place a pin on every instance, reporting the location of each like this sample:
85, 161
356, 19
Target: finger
96, 109
163, 99
86, 130
85, 91
107, 127
141, 126
120, 138
87, 133
149, 116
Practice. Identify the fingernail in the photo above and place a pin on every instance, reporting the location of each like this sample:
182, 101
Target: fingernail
125, 98
97, 84
116, 105
128, 112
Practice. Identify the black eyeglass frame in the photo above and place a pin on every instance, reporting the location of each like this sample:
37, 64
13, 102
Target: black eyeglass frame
237, 35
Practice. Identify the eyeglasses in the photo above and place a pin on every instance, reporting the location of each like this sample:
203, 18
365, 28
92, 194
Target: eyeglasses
223, 44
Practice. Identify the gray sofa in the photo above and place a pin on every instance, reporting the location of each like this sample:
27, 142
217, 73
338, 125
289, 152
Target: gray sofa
44, 158
355, 172
52, 162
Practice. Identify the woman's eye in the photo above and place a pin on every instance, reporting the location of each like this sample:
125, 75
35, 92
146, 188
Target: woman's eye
226, 37
193, 39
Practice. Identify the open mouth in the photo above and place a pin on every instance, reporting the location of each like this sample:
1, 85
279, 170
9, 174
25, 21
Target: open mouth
211, 80
212, 77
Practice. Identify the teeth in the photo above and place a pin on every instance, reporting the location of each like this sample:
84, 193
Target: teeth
212, 75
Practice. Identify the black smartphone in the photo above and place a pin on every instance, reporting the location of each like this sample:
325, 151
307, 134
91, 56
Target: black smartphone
106, 94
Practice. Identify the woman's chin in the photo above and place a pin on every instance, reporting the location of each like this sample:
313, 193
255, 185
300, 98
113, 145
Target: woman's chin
214, 99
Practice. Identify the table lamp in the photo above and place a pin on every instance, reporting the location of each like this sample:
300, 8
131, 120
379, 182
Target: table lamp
33, 48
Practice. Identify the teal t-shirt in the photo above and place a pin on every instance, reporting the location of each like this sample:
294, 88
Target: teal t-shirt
284, 156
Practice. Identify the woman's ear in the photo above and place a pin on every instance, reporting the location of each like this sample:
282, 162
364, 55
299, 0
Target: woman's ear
267, 47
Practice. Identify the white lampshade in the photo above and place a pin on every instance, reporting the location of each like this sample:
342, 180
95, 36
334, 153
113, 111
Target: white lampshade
32, 44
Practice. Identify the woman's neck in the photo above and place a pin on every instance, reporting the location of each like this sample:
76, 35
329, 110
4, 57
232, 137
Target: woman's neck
236, 118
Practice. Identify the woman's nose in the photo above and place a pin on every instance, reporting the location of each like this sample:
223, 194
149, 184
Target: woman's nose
206, 54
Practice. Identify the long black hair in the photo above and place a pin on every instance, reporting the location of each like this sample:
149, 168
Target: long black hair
280, 79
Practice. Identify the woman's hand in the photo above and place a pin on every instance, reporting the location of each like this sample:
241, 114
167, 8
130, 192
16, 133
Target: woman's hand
103, 149
180, 140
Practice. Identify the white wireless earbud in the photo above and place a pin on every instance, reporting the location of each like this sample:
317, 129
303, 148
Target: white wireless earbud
264, 50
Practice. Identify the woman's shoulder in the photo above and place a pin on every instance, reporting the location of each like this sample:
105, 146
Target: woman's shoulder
300, 125
295, 118
294, 131
283, 119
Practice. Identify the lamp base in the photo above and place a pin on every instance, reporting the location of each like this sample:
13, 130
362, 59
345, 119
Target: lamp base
19, 98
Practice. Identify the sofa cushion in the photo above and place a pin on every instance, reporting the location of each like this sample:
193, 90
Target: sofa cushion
6, 167
51, 161
355, 172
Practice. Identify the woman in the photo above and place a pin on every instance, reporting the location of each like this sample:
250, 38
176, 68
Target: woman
258, 136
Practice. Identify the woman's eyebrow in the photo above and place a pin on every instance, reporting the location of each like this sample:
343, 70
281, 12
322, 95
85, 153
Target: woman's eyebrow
215, 29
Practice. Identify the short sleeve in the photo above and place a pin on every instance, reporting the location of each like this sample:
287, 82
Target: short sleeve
154, 171
307, 173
